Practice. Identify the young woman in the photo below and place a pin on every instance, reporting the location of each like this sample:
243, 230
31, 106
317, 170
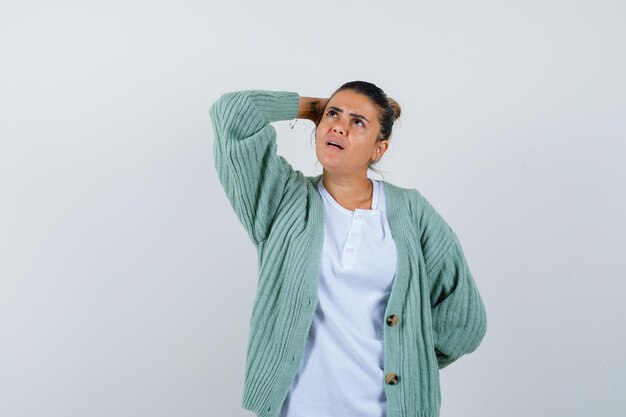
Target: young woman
363, 290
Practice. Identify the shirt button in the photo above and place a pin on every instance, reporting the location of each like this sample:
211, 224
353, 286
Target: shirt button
392, 320
358, 216
353, 234
349, 250
392, 379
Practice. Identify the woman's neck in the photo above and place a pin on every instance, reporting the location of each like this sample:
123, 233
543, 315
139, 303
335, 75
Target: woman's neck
350, 192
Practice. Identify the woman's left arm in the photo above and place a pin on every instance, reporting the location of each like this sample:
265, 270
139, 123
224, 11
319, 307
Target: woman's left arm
458, 312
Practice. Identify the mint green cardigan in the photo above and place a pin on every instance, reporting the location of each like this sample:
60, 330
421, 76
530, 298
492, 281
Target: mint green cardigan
441, 314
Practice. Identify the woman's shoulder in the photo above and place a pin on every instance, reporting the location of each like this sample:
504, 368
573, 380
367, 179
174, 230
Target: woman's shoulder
410, 195
417, 203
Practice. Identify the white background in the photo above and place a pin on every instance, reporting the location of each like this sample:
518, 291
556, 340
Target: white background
126, 280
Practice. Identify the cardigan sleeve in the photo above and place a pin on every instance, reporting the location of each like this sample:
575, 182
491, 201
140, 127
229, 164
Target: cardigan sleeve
252, 174
458, 313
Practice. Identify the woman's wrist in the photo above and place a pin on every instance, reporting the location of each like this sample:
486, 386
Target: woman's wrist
311, 108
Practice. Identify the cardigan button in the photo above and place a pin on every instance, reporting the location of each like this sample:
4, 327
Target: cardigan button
392, 320
392, 379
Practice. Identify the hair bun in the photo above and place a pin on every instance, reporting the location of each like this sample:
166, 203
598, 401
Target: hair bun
395, 107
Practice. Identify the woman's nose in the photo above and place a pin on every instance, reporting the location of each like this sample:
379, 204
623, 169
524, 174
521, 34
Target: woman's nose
338, 129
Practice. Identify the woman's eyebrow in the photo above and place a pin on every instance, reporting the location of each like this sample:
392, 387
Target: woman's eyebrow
351, 114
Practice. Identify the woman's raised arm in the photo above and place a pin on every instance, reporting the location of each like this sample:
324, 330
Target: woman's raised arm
252, 174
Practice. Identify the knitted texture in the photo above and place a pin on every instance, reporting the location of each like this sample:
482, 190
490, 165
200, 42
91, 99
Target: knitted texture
441, 313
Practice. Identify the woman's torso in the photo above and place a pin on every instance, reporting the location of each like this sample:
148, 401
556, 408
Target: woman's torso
342, 369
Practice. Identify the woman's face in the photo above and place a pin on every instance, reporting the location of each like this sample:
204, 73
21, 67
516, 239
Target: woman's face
351, 120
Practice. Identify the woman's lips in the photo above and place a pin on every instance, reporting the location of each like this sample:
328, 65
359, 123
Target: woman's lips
330, 145
337, 143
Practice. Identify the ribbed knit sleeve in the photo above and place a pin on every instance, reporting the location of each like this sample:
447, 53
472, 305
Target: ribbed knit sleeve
252, 174
459, 317
458, 312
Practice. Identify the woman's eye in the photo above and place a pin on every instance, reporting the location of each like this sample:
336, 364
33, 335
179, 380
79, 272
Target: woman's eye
331, 112
360, 121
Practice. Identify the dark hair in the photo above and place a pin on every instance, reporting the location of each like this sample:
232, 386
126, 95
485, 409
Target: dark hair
388, 108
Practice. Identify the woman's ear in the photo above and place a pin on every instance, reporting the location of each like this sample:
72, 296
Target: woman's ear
381, 149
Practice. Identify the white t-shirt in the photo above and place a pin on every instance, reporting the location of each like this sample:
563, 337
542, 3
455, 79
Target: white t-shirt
341, 373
